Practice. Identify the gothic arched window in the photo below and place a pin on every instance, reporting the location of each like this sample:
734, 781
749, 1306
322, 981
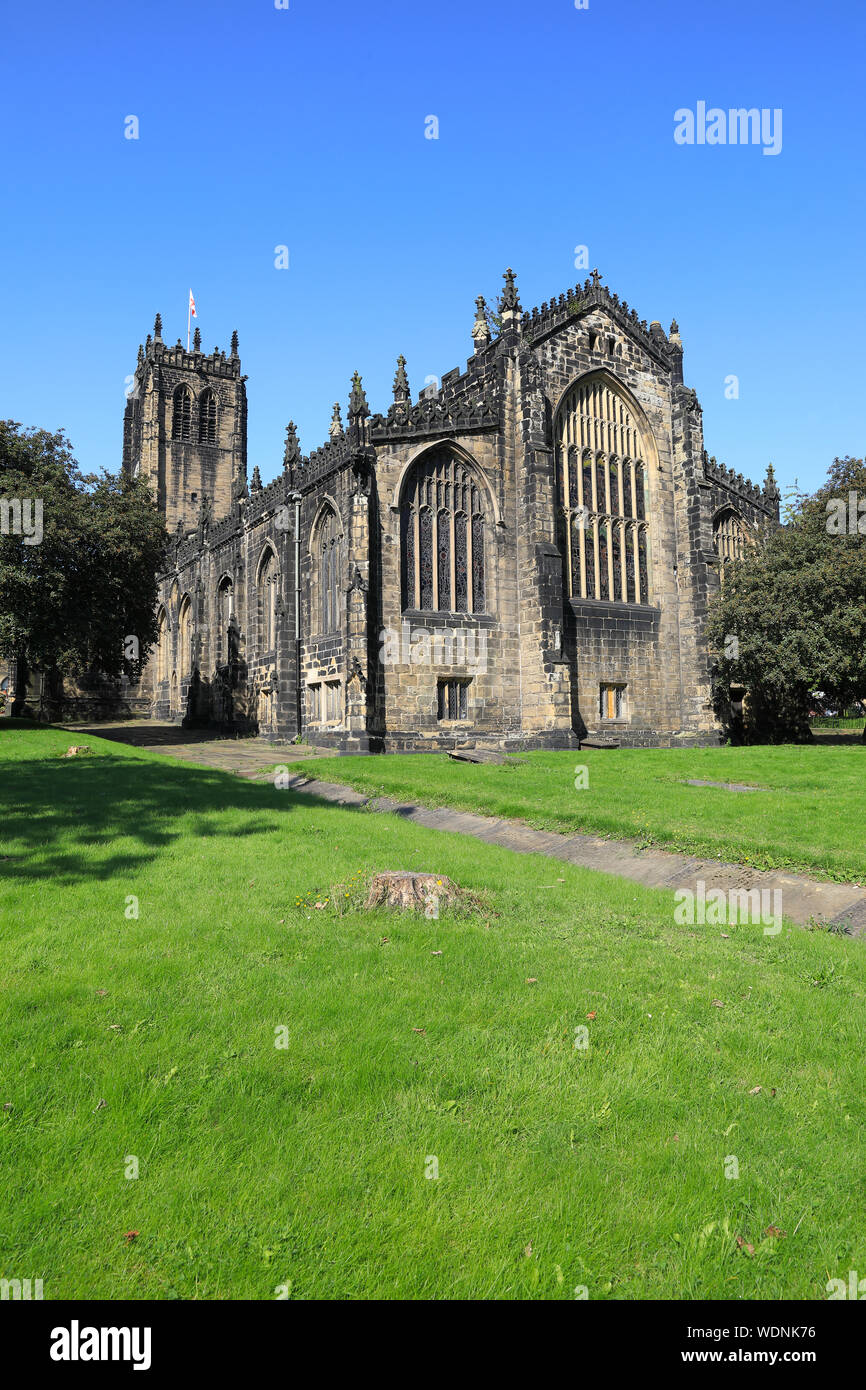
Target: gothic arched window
729, 535
603, 502
329, 546
223, 615
268, 586
162, 640
207, 417
442, 521
184, 638
181, 418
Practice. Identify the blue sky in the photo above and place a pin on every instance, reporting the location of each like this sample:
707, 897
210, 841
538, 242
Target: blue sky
305, 127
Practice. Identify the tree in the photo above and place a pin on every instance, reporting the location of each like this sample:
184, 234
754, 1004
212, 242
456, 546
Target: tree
791, 616
79, 556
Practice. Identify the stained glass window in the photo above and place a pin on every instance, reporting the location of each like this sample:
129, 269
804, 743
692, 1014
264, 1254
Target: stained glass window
640, 487
478, 562
628, 505
600, 494
438, 572
629, 565
616, 550
642, 564
407, 544
603, 576
426, 566
572, 477
589, 560
461, 570
587, 483
615, 505
444, 547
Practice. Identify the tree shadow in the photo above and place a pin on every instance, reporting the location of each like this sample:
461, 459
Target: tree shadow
58, 811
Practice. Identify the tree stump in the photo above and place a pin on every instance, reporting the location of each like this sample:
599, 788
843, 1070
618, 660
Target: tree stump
412, 892
75, 750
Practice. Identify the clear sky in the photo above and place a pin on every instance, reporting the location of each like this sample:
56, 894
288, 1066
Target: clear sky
305, 127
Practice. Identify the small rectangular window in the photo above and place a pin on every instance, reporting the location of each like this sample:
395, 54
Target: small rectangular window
314, 695
611, 703
452, 699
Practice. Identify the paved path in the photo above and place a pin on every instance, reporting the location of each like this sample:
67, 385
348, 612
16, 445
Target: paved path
802, 898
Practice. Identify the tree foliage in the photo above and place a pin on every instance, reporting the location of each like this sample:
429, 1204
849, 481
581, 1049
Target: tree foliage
70, 602
791, 616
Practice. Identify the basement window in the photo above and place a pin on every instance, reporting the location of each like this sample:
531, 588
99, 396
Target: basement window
452, 699
611, 703
314, 707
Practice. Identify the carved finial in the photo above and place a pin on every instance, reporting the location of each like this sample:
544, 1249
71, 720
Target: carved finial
196, 340
480, 328
147, 344
675, 329
402, 394
771, 489
140, 354
358, 408
335, 429
234, 342
595, 277
256, 480
292, 451
509, 300
157, 329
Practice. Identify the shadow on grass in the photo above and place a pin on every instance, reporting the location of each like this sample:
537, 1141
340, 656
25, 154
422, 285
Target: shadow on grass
56, 813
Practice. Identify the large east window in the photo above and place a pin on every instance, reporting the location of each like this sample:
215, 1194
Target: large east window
602, 486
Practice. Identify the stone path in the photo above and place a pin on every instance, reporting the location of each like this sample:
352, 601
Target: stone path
802, 898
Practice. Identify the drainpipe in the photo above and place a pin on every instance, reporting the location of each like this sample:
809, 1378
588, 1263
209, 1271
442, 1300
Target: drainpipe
296, 498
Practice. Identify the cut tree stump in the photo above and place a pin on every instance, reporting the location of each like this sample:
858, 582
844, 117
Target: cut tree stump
413, 892
75, 750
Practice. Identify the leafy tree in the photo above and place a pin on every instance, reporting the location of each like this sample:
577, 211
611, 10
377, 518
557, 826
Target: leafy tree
791, 616
83, 582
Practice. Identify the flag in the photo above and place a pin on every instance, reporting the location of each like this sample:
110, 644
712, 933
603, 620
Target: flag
192, 306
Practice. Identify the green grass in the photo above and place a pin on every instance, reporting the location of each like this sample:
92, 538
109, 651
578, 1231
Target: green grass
809, 815
262, 1166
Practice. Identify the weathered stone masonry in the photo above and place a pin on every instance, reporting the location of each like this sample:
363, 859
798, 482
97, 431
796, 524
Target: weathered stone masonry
522, 557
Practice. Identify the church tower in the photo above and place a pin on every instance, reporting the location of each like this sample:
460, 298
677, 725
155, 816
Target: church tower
185, 427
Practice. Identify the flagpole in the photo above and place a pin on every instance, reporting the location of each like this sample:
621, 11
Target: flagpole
188, 318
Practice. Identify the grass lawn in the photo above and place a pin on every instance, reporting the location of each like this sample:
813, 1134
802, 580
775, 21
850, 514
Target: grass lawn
809, 816
604, 1167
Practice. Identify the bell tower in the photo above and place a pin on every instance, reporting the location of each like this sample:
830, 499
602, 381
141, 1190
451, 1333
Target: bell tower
185, 427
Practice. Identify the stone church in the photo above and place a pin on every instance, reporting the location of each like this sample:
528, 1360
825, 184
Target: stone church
520, 558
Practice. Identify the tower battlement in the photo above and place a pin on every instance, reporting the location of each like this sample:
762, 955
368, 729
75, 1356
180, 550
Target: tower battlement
185, 426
